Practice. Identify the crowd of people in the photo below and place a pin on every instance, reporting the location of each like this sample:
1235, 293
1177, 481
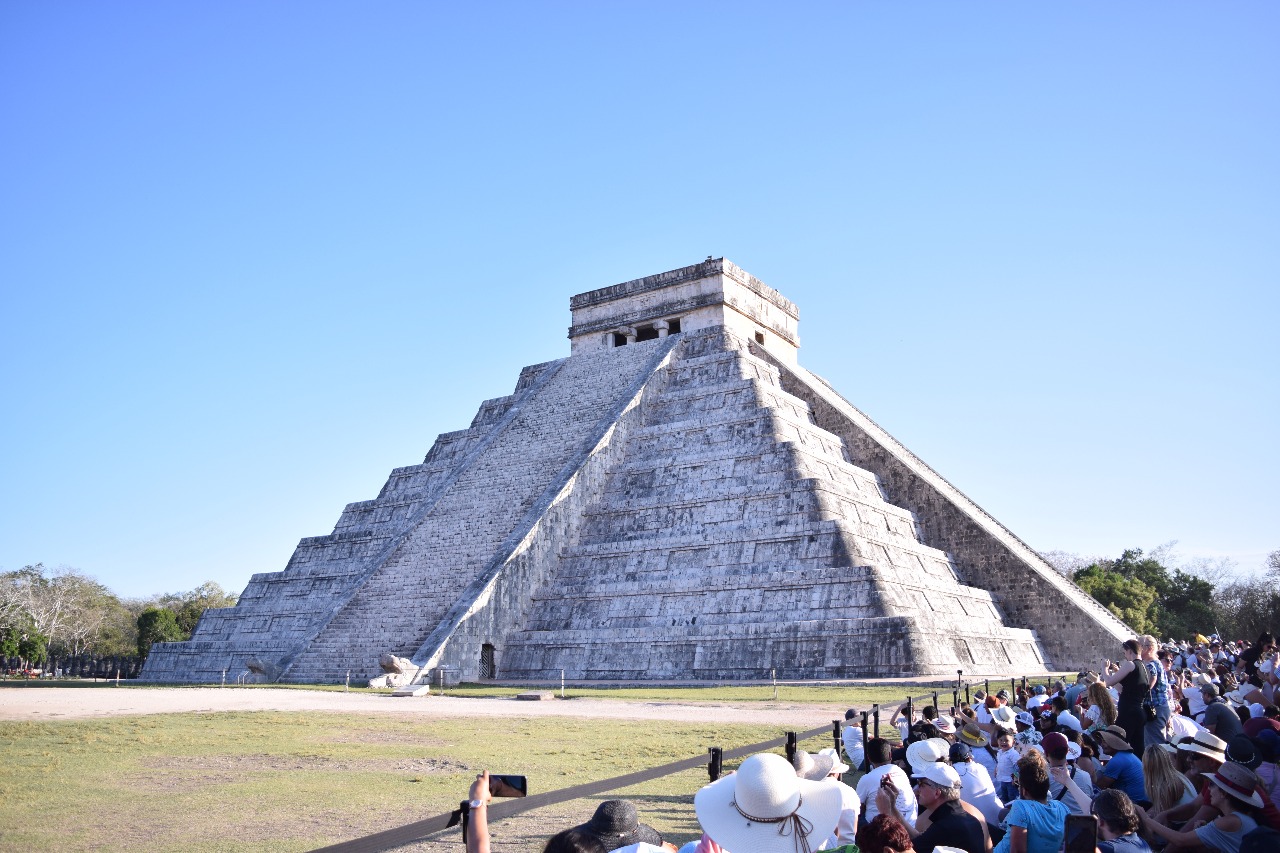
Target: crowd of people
1167, 748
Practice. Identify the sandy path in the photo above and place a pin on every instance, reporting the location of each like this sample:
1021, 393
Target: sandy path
47, 703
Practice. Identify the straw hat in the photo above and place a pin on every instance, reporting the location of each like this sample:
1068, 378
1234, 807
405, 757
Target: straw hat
973, 736
813, 767
1238, 781
766, 808
617, 824
1206, 744
1115, 738
1004, 716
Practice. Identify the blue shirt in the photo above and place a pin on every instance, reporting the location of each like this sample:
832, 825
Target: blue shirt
1125, 769
1045, 824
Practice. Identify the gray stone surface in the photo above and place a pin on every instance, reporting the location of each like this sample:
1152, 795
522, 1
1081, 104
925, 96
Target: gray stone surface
694, 505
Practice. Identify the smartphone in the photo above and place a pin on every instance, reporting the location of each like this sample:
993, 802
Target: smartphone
506, 785
1081, 834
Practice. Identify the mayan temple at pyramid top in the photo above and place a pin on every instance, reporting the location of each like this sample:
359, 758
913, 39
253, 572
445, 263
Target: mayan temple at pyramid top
679, 499
713, 293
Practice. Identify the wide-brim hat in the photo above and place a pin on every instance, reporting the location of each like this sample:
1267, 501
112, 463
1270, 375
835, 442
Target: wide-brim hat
945, 724
1004, 716
755, 810
1024, 718
837, 765
617, 824
1115, 738
1068, 720
1238, 781
923, 753
1206, 743
813, 766
971, 735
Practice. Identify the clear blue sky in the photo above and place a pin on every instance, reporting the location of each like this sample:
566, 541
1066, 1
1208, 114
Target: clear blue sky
255, 255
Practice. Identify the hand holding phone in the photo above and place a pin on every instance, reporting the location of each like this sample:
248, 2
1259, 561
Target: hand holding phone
507, 785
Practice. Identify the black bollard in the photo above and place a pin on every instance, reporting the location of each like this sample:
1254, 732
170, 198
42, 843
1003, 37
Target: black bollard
791, 747
866, 765
835, 735
715, 764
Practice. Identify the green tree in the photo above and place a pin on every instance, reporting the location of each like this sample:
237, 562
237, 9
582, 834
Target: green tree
1127, 597
188, 607
157, 625
33, 647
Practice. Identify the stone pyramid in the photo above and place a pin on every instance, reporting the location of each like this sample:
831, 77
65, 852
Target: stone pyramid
678, 499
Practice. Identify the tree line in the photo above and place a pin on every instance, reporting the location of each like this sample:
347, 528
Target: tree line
65, 613
1154, 595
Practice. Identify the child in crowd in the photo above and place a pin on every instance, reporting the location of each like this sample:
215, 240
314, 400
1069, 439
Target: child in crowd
1006, 766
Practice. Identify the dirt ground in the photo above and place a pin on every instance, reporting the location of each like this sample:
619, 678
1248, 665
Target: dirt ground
68, 704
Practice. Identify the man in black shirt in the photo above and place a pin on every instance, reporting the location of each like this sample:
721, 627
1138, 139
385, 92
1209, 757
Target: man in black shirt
938, 793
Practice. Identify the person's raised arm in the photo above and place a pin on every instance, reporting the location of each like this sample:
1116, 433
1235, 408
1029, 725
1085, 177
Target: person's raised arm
478, 825
1118, 676
1062, 775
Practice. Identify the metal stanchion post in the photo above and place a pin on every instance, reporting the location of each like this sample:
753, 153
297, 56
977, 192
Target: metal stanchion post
715, 764
866, 765
835, 735
791, 747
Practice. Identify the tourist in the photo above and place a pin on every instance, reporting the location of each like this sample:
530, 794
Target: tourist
879, 755
1232, 794
1166, 788
937, 789
1006, 766
983, 751
1035, 822
1206, 754
616, 824
1268, 743
1118, 823
852, 738
1101, 711
1124, 769
1219, 718
1157, 728
766, 808
1265, 647
884, 835
1131, 678
1058, 754
827, 765
976, 787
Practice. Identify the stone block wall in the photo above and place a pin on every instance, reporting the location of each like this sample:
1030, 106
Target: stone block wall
1074, 630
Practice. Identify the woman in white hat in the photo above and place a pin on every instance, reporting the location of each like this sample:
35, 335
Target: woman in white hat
766, 808
1232, 793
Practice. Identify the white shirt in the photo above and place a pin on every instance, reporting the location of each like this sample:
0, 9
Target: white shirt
847, 828
1034, 703
984, 757
979, 791
1183, 727
1006, 764
852, 736
869, 784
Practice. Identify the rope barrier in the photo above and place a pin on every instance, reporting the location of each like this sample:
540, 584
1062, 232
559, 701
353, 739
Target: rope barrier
418, 830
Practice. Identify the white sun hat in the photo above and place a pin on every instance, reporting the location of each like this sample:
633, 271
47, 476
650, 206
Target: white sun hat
925, 752
766, 808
